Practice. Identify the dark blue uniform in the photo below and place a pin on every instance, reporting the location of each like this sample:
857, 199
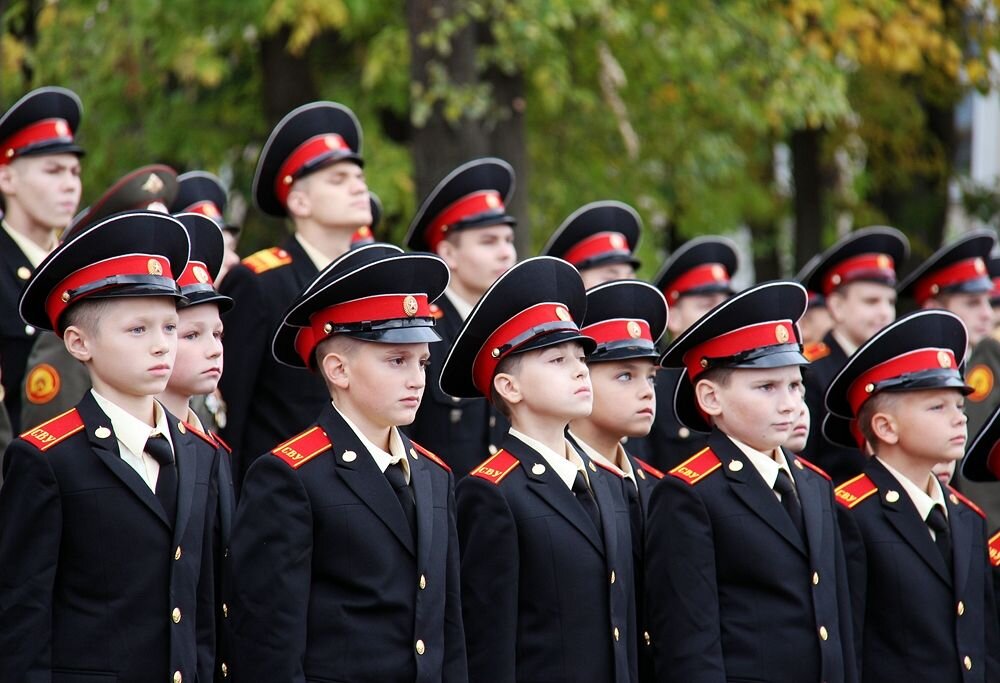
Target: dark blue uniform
916, 618
733, 591
16, 338
329, 583
541, 591
97, 583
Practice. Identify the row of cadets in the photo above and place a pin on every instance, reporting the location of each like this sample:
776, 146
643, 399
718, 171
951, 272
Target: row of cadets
544, 532
464, 220
108, 511
310, 172
745, 570
344, 544
40, 190
857, 278
918, 566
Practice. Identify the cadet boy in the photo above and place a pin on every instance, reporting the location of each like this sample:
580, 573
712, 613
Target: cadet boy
39, 192
745, 568
310, 172
857, 277
546, 546
107, 511
600, 240
345, 546
920, 579
625, 318
196, 372
464, 220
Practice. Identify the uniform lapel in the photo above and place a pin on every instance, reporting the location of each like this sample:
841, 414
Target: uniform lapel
357, 468
106, 450
961, 541
303, 267
811, 498
12, 256
748, 485
423, 493
186, 459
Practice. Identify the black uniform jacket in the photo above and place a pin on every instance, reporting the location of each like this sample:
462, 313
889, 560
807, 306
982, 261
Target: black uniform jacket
96, 583
265, 400
541, 592
916, 618
329, 583
459, 430
733, 591
16, 338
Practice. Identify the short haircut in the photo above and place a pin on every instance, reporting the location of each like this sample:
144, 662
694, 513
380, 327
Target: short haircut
86, 315
880, 402
509, 366
720, 376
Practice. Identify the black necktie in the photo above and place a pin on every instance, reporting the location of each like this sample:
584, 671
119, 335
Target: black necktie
404, 492
586, 498
634, 511
790, 501
166, 482
942, 534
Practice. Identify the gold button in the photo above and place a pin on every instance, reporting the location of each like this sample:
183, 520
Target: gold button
23, 273
647, 638
815, 578
177, 677
684, 432
181, 428
961, 608
420, 647
225, 670
612, 576
617, 634
968, 663
493, 421
493, 449
823, 633
953, 498
225, 553
225, 610
423, 582
413, 453
177, 553
176, 615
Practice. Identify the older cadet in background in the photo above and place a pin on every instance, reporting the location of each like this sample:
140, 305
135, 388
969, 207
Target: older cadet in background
599, 239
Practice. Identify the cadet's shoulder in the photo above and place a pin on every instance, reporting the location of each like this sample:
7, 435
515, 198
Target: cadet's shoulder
52, 432
855, 491
645, 469
958, 498
696, 468
496, 468
303, 447
814, 351
433, 457
267, 260
807, 466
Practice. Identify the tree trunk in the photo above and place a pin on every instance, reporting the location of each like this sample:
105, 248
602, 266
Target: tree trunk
287, 79
809, 186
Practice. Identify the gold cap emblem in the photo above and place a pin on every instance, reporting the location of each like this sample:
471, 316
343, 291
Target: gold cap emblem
153, 267
410, 306
944, 360
618, 242
493, 201
781, 334
980, 266
634, 330
883, 261
200, 274
718, 272
153, 184
212, 211
835, 279
331, 141
563, 314
62, 130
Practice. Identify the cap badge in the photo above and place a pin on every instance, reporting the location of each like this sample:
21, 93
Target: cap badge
563, 314
618, 242
153, 184
410, 306
331, 141
153, 267
200, 274
944, 360
492, 201
634, 330
62, 130
883, 261
980, 266
212, 211
718, 272
781, 334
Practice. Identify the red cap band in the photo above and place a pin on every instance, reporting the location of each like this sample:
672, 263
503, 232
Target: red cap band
196, 273
879, 267
699, 276
772, 333
310, 150
600, 244
915, 361
955, 274
206, 208
623, 329
515, 333
466, 207
47, 130
61, 296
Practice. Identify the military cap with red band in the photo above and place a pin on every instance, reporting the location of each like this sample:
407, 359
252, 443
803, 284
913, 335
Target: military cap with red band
151, 187
870, 254
982, 457
922, 350
756, 328
703, 265
626, 318
993, 266
130, 254
307, 139
535, 304
373, 293
208, 250
42, 122
202, 192
957, 268
474, 195
597, 234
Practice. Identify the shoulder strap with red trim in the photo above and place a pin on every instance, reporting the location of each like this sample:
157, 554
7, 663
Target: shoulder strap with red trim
201, 435
815, 351
697, 467
267, 259
815, 468
610, 468
852, 492
496, 467
300, 449
58, 429
430, 456
975, 508
994, 546
218, 440
648, 469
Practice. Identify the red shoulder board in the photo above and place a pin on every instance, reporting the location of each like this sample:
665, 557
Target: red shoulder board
430, 456
201, 435
818, 470
218, 440
496, 467
267, 259
48, 434
697, 467
610, 468
815, 350
436, 312
975, 508
994, 545
853, 491
300, 449
647, 468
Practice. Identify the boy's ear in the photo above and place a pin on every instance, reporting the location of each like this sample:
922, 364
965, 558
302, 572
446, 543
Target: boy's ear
298, 202
706, 392
508, 388
6, 179
885, 428
77, 343
336, 370
448, 253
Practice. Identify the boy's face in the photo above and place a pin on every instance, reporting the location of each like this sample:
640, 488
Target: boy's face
800, 430
598, 275
690, 308
815, 323
132, 349
974, 310
624, 400
757, 406
384, 382
860, 309
42, 190
478, 256
334, 197
930, 425
553, 382
198, 366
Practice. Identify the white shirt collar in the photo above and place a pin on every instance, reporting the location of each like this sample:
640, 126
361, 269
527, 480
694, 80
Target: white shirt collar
318, 258
561, 463
921, 500
130, 430
34, 253
396, 451
462, 307
626, 471
195, 421
767, 466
